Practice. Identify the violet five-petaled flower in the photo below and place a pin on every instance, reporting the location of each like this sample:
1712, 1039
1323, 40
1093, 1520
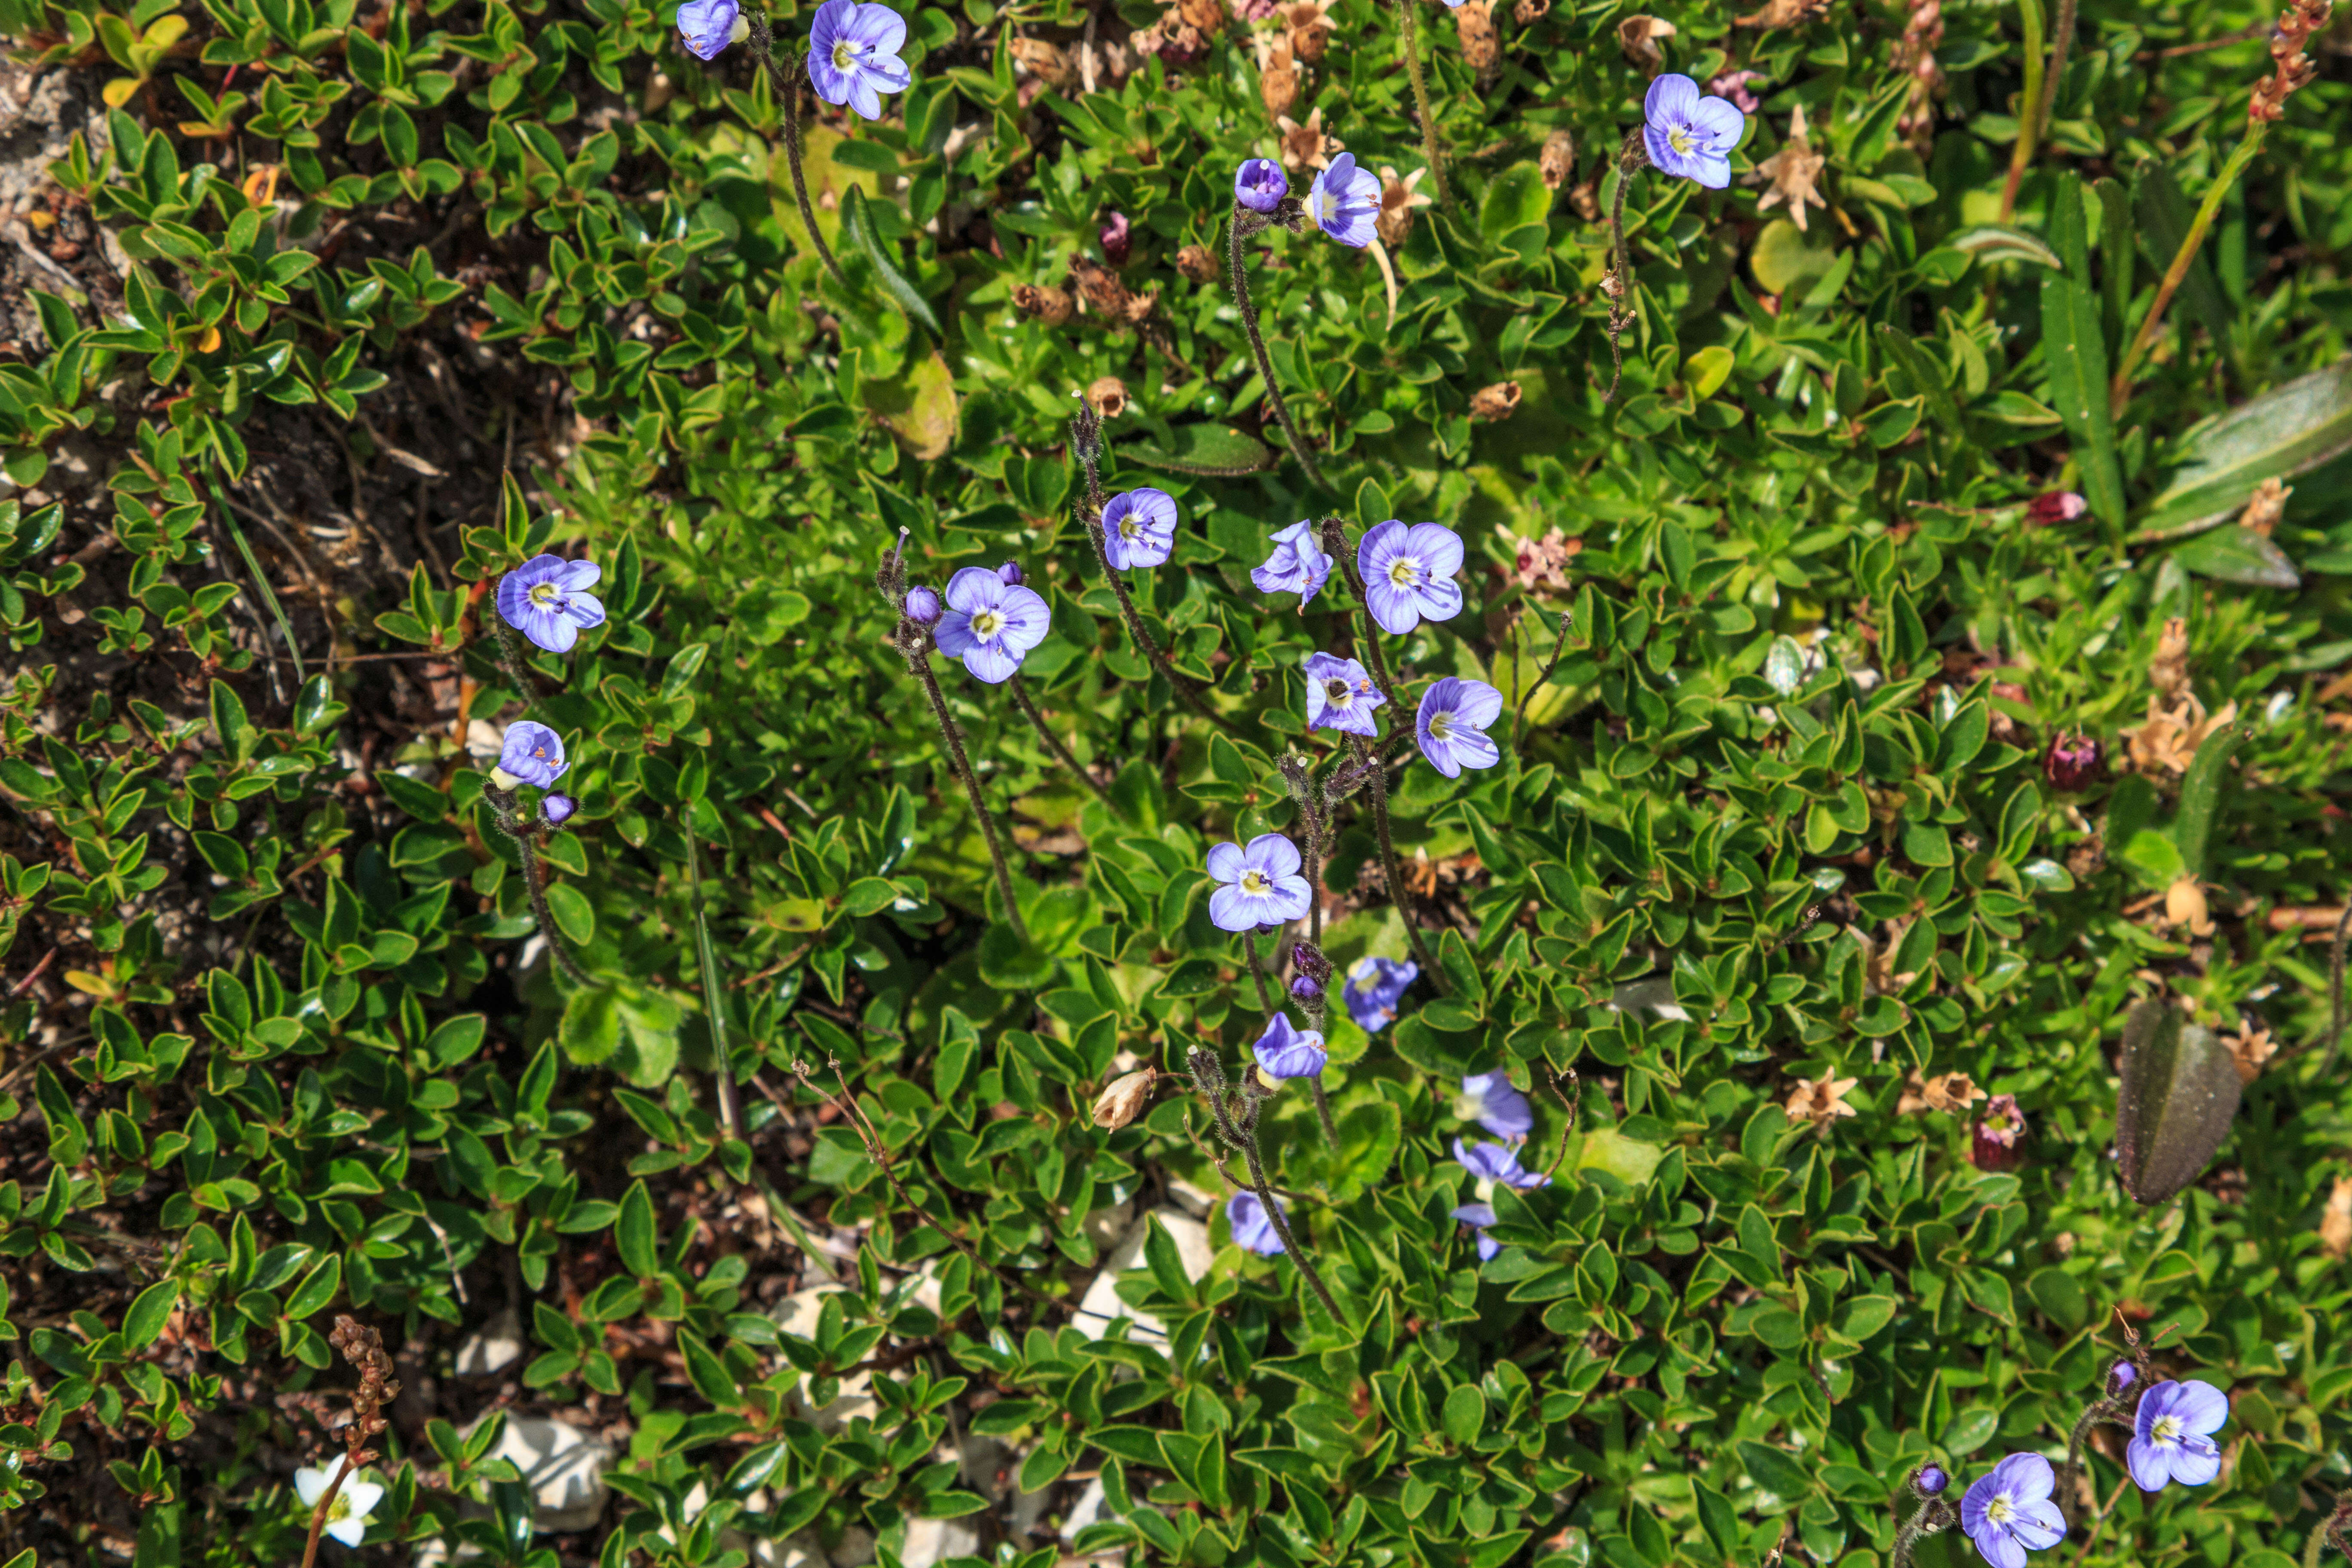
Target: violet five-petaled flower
1139, 528
707, 27
1690, 135
989, 626
2172, 1436
1409, 575
2008, 1512
854, 55
1452, 725
1478, 1216
530, 754
922, 606
1284, 1052
1488, 1099
1260, 185
1251, 1226
557, 809
1340, 696
547, 600
1259, 885
1374, 987
1497, 1163
1345, 202
1297, 566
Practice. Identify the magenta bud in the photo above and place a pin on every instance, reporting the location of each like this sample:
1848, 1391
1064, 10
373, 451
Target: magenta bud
1116, 240
2071, 762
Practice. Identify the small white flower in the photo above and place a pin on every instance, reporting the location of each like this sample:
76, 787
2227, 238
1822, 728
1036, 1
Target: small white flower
347, 1519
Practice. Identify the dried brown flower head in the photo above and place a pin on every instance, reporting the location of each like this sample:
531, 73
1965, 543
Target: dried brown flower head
1124, 1098
2169, 738
1791, 173
1195, 262
2170, 669
2249, 1049
1528, 12
1783, 14
1207, 16
1915, 53
2184, 905
1949, 1092
1100, 291
1051, 306
2336, 1219
2268, 505
1305, 146
1639, 35
2292, 68
1482, 51
1542, 562
1046, 62
1109, 397
1492, 405
1557, 161
1398, 199
1308, 23
1821, 1101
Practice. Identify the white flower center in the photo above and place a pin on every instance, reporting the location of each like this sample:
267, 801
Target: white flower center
2167, 1430
1441, 726
845, 54
1129, 529
1404, 572
2001, 1510
1256, 881
1485, 1188
544, 595
986, 624
1681, 140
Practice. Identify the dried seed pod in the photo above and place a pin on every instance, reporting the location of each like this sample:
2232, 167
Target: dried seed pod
1277, 81
1051, 306
1491, 404
1557, 161
1639, 35
1474, 20
1124, 1099
1195, 262
1109, 397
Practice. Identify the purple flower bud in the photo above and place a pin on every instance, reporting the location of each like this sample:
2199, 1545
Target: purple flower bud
1929, 1479
2071, 762
1115, 240
1010, 573
1305, 989
923, 606
2121, 1375
1260, 185
557, 809
1308, 960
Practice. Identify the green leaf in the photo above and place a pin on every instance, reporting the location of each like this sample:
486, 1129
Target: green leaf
2178, 1094
590, 1027
1464, 1416
860, 230
2074, 352
2000, 242
1166, 1263
917, 407
575, 916
318, 1288
1775, 1471
2201, 795
148, 1314
2286, 431
1517, 198
634, 1236
1209, 450
1924, 378
1788, 260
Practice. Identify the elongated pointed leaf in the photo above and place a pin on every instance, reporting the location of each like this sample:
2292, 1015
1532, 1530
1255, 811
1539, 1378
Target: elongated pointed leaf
2286, 431
2164, 213
2179, 1092
1211, 450
2200, 796
2074, 354
860, 230
1906, 352
2239, 555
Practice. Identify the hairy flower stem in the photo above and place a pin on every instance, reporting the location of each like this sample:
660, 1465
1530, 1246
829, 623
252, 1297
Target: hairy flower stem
1411, 47
512, 822
1298, 773
1633, 157
1235, 1117
2119, 390
1519, 717
1245, 224
1398, 893
1934, 1514
918, 665
1061, 752
788, 94
2020, 152
1336, 545
1249, 953
2336, 991
1282, 1228
510, 659
1323, 1111
2062, 37
1085, 438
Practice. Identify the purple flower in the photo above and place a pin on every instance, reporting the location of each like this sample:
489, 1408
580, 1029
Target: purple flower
2172, 1437
547, 600
1139, 528
1345, 202
1408, 573
1284, 1052
922, 606
1488, 1099
2008, 1512
1688, 135
1305, 990
2120, 1376
1297, 566
1478, 1216
1259, 886
1733, 85
1374, 987
1994, 1145
1453, 723
1929, 1480
854, 55
707, 27
1116, 236
1497, 1163
1253, 1228
1009, 575
1260, 185
989, 626
1340, 696
530, 754
557, 809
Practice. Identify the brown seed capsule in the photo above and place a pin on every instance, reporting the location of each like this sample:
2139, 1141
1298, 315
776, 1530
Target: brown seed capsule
1493, 404
2184, 905
1277, 83
1639, 35
1557, 161
1051, 306
1207, 16
1123, 1100
1109, 397
1481, 51
1528, 12
1195, 262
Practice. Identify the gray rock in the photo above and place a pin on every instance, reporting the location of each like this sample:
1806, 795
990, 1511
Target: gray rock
563, 1467
1102, 1305
493, 1348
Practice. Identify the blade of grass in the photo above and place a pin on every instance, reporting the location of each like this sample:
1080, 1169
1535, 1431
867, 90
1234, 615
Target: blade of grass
260, 582
714, 995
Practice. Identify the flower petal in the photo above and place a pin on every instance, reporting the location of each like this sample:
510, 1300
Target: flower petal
1439, 547
1711, 170
1027, 619
863, 98
974, 587
1440, 599
574, 576
2151, 1465
992, 662
1999, 1547
1294, 897
1671, 99
1478, 703
1275, 855
1396, 610
1227, 861
349, 1531
1472, 750
556, 633
1440, 755
584, 610
878, 27
1720, 122
1229, 908
1379, 547
953, 634
2201, 1407
2039, 1526
364, 1496
2026, 1477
